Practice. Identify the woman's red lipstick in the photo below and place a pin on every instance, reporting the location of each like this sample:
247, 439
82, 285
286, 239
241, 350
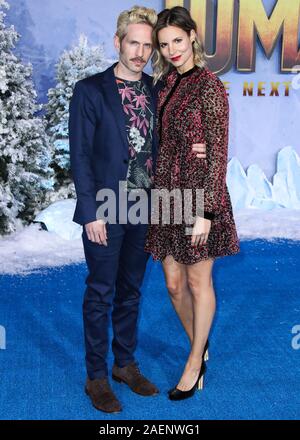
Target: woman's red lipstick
176, 58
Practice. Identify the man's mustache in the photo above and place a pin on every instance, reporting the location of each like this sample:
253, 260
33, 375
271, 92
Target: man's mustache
138, 59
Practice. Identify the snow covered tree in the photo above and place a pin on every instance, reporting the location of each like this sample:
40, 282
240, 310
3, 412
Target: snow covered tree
25, 150
29, 49
78, 63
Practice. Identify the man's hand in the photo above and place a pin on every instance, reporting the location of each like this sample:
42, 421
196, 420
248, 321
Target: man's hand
96, 232
200, 232
200, 149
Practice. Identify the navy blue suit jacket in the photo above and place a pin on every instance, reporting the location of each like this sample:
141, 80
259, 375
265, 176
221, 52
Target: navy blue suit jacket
99, 147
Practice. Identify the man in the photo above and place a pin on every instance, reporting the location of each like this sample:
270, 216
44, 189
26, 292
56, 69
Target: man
112, 115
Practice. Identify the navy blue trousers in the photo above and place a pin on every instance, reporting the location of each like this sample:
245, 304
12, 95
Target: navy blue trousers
113, 285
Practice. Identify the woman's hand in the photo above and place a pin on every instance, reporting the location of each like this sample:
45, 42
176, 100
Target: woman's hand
200, 232
200, 149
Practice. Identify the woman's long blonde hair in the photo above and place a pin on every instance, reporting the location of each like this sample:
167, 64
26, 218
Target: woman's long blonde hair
181, 18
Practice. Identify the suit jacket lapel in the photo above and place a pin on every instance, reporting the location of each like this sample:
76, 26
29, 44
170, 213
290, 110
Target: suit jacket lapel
149, 82
111, 93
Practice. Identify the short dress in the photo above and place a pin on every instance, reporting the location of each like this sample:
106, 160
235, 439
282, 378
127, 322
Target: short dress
193, 108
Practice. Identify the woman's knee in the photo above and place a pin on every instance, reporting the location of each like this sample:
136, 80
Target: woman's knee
200, 286
175, 288
199, 277
175, 277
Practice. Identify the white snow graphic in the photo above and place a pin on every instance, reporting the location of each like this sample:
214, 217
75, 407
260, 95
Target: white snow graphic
254, 190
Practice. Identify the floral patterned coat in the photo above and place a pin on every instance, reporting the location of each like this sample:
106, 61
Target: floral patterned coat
193, 108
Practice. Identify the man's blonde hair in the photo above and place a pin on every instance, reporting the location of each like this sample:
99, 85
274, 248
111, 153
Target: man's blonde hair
135, 15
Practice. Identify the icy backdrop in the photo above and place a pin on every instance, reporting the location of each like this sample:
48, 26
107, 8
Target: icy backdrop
259, 125
248, 190
252, 189
262, 209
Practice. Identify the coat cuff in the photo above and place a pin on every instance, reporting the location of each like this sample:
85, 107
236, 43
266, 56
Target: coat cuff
209, 215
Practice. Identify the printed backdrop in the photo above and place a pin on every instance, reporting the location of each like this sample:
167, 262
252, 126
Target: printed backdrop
260, 126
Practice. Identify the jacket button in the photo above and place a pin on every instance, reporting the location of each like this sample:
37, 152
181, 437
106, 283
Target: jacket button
125, 161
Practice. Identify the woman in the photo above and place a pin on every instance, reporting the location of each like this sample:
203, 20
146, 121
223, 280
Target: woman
192, 108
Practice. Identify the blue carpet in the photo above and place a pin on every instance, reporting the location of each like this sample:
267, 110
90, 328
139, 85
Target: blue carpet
253, 371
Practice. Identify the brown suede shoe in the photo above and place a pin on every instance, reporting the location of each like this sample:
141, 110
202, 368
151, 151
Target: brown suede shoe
132, 376
102, 395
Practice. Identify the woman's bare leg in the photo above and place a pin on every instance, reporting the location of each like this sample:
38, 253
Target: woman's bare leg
176, 282
199, 278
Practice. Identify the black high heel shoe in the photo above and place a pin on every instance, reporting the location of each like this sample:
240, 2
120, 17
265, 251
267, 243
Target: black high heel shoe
205, 356
176, 394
